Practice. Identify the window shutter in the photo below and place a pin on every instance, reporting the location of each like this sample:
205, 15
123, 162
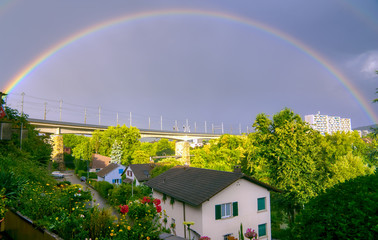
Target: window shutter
262, 229
235, 210
261, 204
218, 213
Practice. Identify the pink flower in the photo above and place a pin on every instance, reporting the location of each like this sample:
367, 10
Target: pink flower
250, 234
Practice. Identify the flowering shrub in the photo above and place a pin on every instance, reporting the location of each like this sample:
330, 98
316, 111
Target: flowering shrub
61, 209
124, 209
250, 234
139, 220
3, 201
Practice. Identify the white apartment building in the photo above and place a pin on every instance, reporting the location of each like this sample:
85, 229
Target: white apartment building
328, 124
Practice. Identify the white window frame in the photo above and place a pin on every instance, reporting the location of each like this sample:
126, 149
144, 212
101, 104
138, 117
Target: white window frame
224, 210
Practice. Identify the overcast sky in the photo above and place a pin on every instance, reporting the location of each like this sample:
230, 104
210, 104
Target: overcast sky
190, 66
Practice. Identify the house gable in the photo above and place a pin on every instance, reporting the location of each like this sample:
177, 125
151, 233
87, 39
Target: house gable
112, 173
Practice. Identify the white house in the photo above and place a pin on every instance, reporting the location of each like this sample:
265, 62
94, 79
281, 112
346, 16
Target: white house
216, 201
138, 172
111, 173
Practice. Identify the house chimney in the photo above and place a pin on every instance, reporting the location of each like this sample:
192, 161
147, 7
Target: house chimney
237, 169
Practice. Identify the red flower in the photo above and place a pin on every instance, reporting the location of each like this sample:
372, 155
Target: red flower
158, 208
157, 202
124, 209
146, 200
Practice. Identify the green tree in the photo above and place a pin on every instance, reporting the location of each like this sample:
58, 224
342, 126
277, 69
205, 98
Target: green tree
116, 154
220, 154
72, 140
165, 148
128, 138
83, 150
287, 153
140, 157
343, 156
345, 211
34, 145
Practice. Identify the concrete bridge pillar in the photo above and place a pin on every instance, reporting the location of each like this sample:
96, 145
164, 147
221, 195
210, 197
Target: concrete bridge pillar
183, 150
57, 152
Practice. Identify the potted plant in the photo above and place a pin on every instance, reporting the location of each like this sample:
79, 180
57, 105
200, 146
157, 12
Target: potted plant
250, 234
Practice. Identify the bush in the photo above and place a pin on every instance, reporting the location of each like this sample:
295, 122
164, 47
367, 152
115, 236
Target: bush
82, 173
81, 165
13, 185
69, 161
121, 194
346, 211
103, 188
93, 175
98, 222
139, 220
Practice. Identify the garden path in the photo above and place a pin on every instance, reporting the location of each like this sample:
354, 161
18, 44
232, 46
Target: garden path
97, 199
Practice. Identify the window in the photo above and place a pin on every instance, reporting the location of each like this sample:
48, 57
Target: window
129, 173
262, 230
261, 204
225, 237
120, 171
226, 210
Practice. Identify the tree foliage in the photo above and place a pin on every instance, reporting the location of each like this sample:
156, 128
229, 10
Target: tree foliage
288, 154
128, 138
25, 138
116, 154
346, 211
220, 154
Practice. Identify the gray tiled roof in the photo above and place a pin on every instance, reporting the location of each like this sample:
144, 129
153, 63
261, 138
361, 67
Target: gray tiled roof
140, 171
196, 185
107, 169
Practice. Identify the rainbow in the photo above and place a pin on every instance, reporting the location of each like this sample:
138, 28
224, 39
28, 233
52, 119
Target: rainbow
322, 61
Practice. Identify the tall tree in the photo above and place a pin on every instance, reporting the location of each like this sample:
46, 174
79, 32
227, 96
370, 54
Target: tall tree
287, 153
116, 154
127, 137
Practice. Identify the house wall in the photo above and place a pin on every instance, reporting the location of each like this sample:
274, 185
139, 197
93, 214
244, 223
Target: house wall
132, 177
176, 211
115, 175
241, 191
246, 194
